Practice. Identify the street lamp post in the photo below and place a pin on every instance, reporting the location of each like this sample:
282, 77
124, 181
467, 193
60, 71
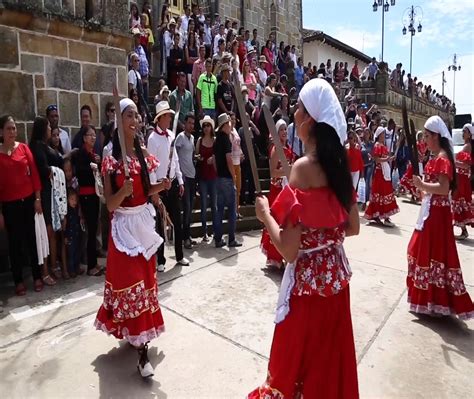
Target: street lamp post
411, 17
385, 7
455, 67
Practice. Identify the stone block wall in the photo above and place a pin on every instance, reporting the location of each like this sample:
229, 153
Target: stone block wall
49, 61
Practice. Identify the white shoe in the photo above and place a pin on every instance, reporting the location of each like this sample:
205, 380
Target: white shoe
146, 371
161, 268
183, 262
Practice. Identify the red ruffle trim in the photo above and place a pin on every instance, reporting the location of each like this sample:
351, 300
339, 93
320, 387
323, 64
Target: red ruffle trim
463, 156
439, 166
316, 208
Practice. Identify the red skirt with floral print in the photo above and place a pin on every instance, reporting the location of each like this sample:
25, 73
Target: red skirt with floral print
406, 184
463, 212
130, 309
435, 282
382, 202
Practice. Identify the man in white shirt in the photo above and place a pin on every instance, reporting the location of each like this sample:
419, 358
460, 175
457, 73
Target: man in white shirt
185, 18
294, 141
160, 143
207, 32
293, 56
220, 35
134, 78
185, 148
53, 117
261, 72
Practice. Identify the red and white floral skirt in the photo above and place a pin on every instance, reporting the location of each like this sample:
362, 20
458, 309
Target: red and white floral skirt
435, 283
461, 202
382, 202
130, 309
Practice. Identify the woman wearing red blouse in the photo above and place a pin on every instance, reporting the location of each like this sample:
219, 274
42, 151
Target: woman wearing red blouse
207, 173
20, 199
313, 354
435, 283
382, 202
356, 163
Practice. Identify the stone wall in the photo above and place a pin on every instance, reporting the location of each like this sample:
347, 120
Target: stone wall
258, 14
50, 61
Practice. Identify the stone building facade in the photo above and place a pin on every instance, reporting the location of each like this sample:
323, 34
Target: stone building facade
65, 52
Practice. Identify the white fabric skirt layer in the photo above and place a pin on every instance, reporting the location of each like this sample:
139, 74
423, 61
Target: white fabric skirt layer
133, 230
387, 173
42, 243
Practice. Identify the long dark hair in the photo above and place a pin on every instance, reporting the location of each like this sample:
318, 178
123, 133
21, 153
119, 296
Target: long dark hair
446, 146
117, 154
3, 121
332, 157
40, 126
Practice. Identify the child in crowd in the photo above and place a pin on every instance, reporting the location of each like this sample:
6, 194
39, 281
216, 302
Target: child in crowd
71, 180
72, 234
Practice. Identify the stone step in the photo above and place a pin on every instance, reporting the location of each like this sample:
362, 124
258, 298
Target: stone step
245, 224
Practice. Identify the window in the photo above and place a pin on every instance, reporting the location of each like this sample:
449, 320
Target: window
177, 7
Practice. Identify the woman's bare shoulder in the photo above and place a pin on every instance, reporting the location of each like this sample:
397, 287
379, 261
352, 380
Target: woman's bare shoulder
306, 173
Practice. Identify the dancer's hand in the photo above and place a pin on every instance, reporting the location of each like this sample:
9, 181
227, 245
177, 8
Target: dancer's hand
127, 188
262, 208
417, 182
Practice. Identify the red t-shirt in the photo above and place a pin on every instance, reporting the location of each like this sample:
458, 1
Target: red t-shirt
356, 163
19, 176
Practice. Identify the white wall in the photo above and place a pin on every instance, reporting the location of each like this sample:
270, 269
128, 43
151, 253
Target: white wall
317, 52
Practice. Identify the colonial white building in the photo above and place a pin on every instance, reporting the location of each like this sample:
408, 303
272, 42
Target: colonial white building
318, 47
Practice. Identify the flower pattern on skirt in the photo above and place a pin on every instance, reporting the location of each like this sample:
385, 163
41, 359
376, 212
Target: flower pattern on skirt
130, 302
436, 274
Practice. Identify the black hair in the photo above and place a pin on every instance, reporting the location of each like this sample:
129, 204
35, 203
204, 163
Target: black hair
446, 146
108, 130
59, 148
40, 127
86, 108
189, 115
108, 107
117, 154
332, 157
4, 119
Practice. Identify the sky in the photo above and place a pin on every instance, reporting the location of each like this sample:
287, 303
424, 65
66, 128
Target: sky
448, 29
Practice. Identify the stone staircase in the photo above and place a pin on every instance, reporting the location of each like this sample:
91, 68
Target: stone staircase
249, 220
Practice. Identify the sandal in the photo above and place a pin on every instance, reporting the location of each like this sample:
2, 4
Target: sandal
48, 280
57, 273
20, 289
38, 284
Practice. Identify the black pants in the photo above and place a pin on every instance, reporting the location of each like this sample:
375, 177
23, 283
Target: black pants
20, 224
172, 202
90, 212
247, 192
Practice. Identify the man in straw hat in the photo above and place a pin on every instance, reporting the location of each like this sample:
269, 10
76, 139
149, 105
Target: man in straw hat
225, 182
261, 71
159, 145
225, 91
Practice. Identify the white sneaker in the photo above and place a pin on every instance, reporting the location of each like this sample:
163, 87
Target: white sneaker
161, 268
183, 262
146, 371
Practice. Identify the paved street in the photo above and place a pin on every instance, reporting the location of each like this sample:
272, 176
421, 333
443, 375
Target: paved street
219, 324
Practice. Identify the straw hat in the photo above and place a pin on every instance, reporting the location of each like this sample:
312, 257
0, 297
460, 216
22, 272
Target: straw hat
244, 88
262, 59
207, 119
172, 22
162, 108
222, 119
164, 89
226, 67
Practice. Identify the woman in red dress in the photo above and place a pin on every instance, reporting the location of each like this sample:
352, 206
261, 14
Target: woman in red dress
130, 309
382, 202
461, 204
406, 183
313, 352
277, 182
435, 283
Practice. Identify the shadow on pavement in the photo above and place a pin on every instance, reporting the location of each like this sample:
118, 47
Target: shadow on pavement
119, 377
454, 332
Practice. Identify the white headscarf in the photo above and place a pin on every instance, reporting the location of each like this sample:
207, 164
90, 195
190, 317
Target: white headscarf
279, 124
436, 125
378, 132
124, 103
469, 127
322, 104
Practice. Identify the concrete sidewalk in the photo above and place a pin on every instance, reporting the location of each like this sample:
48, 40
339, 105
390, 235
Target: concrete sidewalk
219, 324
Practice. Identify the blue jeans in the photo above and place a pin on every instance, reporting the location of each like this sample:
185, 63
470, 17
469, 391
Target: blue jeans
188, 202
368, 173
73, 254
208, 187
225, 198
